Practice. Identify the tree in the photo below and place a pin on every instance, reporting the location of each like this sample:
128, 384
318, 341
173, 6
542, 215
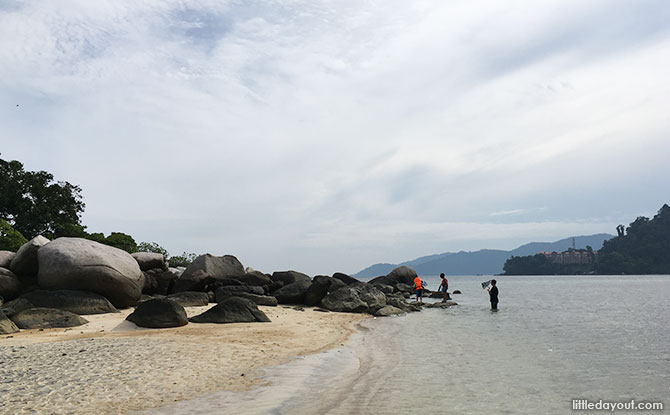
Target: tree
182, 260
34, 204
152, 247
10, 238
122, 241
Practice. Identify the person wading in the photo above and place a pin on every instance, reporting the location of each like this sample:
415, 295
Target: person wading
418, 286
493, 293
444, 286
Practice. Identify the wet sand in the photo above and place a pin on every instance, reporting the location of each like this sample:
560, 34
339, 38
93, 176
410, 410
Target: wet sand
110, 366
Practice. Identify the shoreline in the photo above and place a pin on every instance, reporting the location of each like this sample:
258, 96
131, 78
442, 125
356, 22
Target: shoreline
110, 366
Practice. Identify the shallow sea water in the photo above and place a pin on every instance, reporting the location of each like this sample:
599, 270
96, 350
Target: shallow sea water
554, 339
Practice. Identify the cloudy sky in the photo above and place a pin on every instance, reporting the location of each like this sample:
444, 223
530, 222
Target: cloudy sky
327, 136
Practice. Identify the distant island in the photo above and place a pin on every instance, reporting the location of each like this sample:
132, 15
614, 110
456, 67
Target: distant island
485, 261
641, 248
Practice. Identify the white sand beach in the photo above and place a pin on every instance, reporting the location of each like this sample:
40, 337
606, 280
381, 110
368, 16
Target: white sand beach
110, 366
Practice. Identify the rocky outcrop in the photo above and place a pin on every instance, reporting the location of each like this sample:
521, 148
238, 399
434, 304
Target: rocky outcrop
289, 277
360, 298
293, 293
207, 268
223, 294
14, 307
150, 260
347, 280
253, 277
158, 313
388, 310
77, 302
457, 292
232, 310
400, 275
25, 264
6, 258
317, 290
9, 284
190, 298
440, 304
80, 264
7, 326
46, 318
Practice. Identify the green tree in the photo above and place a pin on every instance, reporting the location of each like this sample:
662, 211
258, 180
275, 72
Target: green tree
152, 247
34, 204
10, 238
182, 260
122, 241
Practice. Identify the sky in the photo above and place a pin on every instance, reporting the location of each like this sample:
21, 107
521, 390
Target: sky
326, 136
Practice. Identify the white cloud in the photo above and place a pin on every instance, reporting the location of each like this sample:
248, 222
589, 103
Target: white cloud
326, 136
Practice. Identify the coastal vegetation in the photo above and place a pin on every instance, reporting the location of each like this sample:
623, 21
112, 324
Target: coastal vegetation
641, 248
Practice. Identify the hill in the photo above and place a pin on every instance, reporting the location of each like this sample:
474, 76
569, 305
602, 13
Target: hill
485, 261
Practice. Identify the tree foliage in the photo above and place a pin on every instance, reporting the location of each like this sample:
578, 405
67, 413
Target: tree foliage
182, 260
152, 247
34, 204
10, 238
643, 249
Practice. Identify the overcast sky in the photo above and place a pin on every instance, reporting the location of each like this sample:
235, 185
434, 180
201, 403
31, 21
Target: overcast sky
326, 136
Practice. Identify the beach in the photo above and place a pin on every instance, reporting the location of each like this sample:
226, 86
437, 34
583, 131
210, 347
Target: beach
110, 366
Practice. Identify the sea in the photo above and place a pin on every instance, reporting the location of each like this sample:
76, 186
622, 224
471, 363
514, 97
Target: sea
555, 341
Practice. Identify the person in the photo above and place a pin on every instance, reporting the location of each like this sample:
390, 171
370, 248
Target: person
444, 286
418, 286
493, 293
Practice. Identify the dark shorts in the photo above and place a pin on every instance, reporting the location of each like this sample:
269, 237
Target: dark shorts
419, 293
494, 305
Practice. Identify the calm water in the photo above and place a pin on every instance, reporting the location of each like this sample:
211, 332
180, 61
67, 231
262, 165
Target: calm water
554, 339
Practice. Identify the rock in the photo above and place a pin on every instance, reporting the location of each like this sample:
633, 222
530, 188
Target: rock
232, 310
440, 304
383, 280
388, 310
25, 264
150, 260
345, 299
208, 267
253, 277
289, 277
457, 292
11, 308
223, 294
6, 258
7, 326
374, 298
386, 289
336, 285
9, 284
46, 318
345, 278
403, 275
437, 295
244, 289
159, 313
80, 264
212, 297
403, 288
77, 302
293, 293
157, 281
190, 298
398, 302
318, 289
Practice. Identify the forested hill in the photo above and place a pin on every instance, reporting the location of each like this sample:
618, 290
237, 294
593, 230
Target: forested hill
485, 261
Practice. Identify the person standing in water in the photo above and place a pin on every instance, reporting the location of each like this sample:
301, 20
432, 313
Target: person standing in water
444, 286
418, 286
493, 293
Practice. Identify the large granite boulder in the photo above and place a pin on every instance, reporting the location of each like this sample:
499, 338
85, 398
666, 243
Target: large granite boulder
9, 284
190, 298
252, 289
25, 264
150, 260
360, 298
345, 278
289, 277
7, 326
158, 313
158, 281
77, 302
15, 306
253, 277
345, 299
206, 268
388, 310
404, 275
293, 293
80, 264
46, 318
223, 294
232, 310
320, 286
6, 258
